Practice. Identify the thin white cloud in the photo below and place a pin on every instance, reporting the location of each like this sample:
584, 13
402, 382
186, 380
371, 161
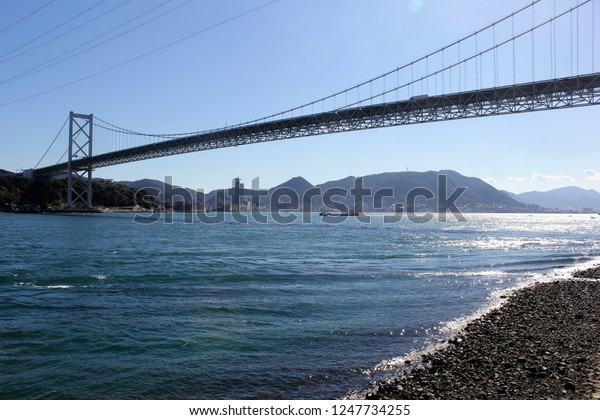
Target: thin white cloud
553, 178
591, 175
490, 180
517, 179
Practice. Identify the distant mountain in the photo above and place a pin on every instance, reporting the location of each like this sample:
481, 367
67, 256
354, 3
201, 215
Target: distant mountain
6, 173
566, 198
511, 195
297, 184
392, 187
478, 196
280, 197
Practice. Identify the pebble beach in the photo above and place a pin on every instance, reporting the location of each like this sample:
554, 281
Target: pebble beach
543, 342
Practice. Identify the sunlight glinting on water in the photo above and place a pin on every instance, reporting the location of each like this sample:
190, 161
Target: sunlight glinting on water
255, 310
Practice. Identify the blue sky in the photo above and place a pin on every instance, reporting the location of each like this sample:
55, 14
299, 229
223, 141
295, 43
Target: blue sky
285, 54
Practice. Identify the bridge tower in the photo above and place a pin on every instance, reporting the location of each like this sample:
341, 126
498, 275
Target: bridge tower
79, 179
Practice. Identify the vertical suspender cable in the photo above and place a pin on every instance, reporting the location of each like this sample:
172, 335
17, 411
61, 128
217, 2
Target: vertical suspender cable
554, 42
593, 35
422, 83
397, 84
571, 40
436, 83
459, 69
532, 43
495, 57
577, 38
450, 78
443, 71
513, 48
481, 82
552, 45
476, 63
412, 80
427, 71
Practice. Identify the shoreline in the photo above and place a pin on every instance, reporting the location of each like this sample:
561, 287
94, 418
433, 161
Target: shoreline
543, 342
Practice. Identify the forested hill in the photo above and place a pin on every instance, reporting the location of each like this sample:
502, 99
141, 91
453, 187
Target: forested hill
19, 193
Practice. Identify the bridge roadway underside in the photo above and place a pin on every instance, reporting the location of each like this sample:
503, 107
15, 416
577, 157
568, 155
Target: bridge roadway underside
546, 95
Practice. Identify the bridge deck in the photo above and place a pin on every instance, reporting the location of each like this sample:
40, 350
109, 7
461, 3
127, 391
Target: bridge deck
527, 97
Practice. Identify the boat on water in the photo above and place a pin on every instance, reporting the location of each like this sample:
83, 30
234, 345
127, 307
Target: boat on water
340, 214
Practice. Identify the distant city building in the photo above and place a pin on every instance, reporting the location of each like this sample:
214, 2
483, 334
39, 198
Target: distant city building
235, 202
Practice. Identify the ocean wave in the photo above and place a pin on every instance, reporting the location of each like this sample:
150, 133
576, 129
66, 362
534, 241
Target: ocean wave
557, 261
461, 274
65, 282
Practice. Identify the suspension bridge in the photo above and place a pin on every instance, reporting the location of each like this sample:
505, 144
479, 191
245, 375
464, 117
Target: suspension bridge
540, 57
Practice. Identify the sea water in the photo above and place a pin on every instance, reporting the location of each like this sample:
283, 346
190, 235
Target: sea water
101, 307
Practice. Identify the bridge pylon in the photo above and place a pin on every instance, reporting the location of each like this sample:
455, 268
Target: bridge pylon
79, 181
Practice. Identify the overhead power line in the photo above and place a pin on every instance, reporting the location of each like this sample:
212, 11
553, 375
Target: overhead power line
27, 16
73, 52
52, 29
146, 54
87, 22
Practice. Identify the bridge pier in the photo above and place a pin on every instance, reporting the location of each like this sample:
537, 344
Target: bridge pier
79, 181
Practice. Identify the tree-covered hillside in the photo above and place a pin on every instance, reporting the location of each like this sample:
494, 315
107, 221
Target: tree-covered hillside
18, 193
